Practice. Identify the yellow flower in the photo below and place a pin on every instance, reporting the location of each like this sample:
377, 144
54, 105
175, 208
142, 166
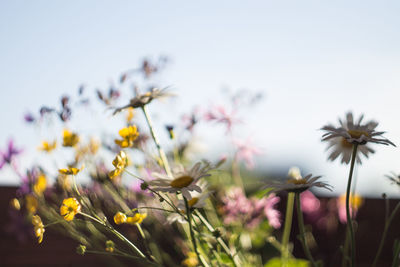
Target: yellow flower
110, 246
69, 208
47, 146
191, 260
119, 218
137, 218
94, 145
14, 203
70, 170
128, 134
119, 163
31, 204
40, 186
70, 138
38, 228
355, 201
130, 114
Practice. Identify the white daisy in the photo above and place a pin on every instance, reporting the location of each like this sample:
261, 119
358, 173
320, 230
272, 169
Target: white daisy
341, 139
296, 183
182, 180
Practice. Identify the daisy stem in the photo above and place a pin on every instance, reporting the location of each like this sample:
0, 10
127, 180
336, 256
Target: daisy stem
349, 219
300, 221
153, 134
288, 226
189, 215
387, 225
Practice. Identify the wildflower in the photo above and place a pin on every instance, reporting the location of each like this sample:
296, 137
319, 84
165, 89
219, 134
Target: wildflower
221, 115
40, 186
69, 208
296, 183
81, 249
38, 227
143, 99
182, 180
14, 203
355, 203
47, 146
341, 139
119, 218
129, 115
246, 151
128, 134
136, 219
170, 130
70, 171
198, 199
70, 139
110, 246
191, 260
119, 163
8, 156
31, 203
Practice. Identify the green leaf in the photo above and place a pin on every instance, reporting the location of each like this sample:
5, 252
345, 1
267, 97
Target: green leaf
276, 262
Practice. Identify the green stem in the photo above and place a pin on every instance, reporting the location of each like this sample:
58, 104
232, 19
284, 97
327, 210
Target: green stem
219, 239
288, 226
160, 150
387, 225
118, 234
300, 221
348, 215
189, 217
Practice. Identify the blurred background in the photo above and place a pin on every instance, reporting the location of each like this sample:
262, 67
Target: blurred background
310, 61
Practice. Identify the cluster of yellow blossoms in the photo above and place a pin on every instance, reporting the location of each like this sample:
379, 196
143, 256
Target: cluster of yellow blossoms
120, 218
119, 163
129, 135
69, 208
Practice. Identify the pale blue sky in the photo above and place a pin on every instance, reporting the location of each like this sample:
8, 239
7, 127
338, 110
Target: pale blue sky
313, 59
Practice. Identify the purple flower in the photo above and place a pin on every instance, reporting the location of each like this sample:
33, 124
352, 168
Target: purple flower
28, 117
8, 156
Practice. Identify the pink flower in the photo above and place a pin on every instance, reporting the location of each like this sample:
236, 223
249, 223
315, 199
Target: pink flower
246, 151
221, 115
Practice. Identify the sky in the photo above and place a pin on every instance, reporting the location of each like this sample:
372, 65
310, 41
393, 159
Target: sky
313, 61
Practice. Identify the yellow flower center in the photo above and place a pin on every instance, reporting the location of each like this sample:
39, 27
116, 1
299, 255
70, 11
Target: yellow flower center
193, 201
357, 134
297, 181
182, 181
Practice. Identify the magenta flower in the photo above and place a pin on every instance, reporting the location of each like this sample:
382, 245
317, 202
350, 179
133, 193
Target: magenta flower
8, 156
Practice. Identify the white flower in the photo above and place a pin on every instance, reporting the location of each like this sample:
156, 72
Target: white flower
197, 201
182, 181
341, 139
296, 183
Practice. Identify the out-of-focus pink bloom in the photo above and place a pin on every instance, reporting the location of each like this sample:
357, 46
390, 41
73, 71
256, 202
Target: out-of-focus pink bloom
250, 212
28, 117
221, 115
246, 151
191, 119
8, 156
309, 203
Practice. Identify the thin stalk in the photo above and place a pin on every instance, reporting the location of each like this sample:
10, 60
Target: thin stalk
300, 221
348, 215
118, 234
387, 225
346, 248
153, 134
189, 217
219, 239
288, 226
